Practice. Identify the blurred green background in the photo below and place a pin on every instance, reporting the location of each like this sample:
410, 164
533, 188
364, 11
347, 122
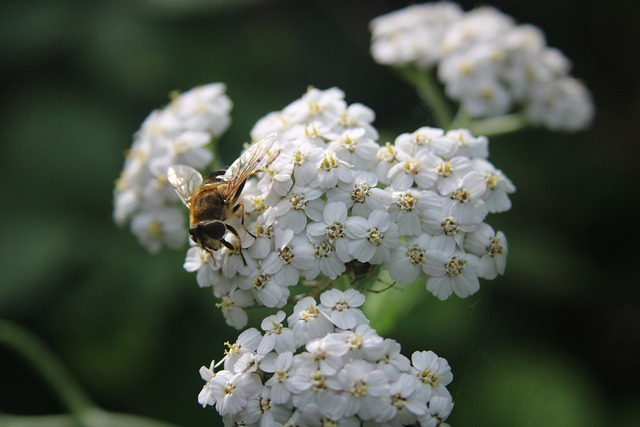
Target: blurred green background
554, 342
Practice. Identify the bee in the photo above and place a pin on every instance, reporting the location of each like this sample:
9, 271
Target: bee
213, 200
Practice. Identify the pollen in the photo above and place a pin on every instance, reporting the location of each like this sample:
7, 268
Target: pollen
427, 377
360, 192
348, 144
329, 162
259, 204
461, 196
495, 249
155, 228
228, 389
406, 202
445, 169
285, 254
360, 389
466, 69
298, 201
388, 153
492, 181
416, 254
411, 167
375, 236
455, 266
298, 158
335, 231
260, 281
449, 227
323, 250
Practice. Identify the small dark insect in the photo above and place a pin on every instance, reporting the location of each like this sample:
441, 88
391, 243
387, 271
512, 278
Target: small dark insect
213, 200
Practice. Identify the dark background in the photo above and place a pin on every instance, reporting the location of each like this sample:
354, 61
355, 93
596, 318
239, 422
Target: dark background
554, 342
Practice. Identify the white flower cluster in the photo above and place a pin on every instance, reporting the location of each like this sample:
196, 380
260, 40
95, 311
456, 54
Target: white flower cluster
327, 367
178, 133
486, 62
331, 200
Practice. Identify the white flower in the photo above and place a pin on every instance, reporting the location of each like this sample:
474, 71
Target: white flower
314, 416
492, 249
451, 272
418, 169
469, 145
447, 233
427, 137
276, 336
317, 105
409, 261
408, 207
324, 355
333, 229
361, 195
359, 116
247, 342
432, 371
231, 392
407, 400
204, 108
205, 398
293, 254
331, 169
280, 382
412, 34
498, 186
312, 387
363, 342
372, 237
276, 178
299, 205
307, 322
157, 227
327, 262
232, 306
564, 104
387, 158
186, 148
354, 147
392, 362
304, 157
439, 409
347, 378
465, 202
264, 288
363, 387
342, 308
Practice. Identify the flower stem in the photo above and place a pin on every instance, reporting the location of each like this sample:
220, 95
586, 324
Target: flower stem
430, 93
498, 125
35, 351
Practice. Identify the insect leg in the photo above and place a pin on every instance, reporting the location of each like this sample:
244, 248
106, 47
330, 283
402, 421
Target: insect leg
235, 233
240, 206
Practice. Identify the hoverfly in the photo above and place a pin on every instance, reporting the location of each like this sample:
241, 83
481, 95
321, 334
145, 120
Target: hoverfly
213, 200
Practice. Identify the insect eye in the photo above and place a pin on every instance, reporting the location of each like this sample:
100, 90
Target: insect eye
215, 229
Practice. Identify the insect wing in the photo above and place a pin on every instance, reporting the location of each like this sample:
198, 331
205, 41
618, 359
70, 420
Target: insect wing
185, 180
247, 163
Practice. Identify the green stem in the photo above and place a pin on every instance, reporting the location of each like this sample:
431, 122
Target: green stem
498, 125
35, 351
430, 93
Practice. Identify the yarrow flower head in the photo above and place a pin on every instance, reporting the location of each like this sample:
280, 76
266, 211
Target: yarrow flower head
486, 62
330, 202
343, 373
177, 133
